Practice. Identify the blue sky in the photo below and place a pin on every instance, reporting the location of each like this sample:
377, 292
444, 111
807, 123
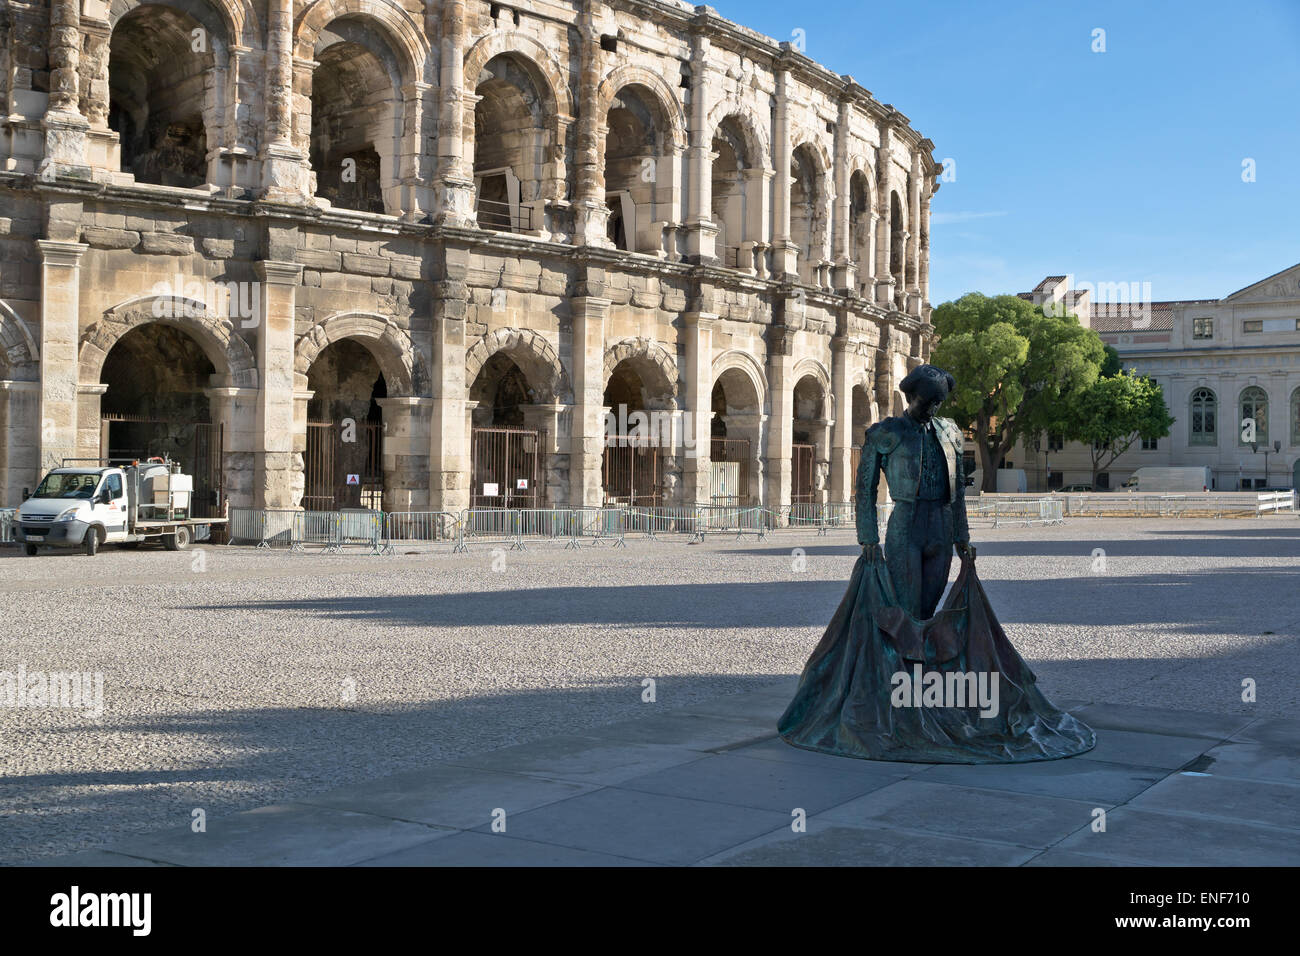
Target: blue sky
1122, 166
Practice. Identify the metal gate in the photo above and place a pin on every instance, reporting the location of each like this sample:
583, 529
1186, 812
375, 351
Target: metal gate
196, 445
803, 462
344, 466
633, 473
508, 467
736, 453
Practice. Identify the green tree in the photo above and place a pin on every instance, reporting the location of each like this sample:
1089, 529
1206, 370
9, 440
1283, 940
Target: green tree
1112, 413
1015, 366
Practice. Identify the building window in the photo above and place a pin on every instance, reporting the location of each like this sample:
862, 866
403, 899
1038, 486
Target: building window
1252, 325
1149, 444
1055, 441
1202, 328
1204, 411
1254, 409
1103, 481
1295, 417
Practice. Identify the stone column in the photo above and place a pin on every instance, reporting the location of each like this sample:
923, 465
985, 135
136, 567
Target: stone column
65, 128
884, 173
924, 263
413, 202
60, 338
551, 420
820, 433
454, 199
910, 263
753, 250
842, 434
697, 418
702, 232
284, 178
405, 453
590, 212
19, 434
844, 276
278, 481
587, 443
449, 434
780, 426
785, 254
235, 410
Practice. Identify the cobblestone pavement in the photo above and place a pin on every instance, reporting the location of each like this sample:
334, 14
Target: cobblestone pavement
242, 679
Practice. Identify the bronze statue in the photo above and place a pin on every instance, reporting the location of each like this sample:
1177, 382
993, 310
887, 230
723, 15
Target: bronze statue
892, 679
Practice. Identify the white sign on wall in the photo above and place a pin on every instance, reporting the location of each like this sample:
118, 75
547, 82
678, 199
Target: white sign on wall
490, 489
354, 479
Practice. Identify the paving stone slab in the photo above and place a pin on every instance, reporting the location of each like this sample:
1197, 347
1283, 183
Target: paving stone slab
1248, 801
828, 844
1023, 819
1106, 784
1253, 761
95, 858
574, 758
778, 750
645, 826
1057, 857
496, 849
762, 708
1161, 720
1163, 751
1174, 839
448, 795
283, 835
763, 784
1270, 730
692, 731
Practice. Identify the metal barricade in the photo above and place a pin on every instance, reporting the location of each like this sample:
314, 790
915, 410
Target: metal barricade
419, 526
7, 525
665, 519
599, 525
266, 529
319, 528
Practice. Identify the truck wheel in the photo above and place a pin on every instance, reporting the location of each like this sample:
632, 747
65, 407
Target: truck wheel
31, 550
91, 542
179, 541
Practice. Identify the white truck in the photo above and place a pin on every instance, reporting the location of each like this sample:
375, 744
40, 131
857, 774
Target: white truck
1171, 480
84, 507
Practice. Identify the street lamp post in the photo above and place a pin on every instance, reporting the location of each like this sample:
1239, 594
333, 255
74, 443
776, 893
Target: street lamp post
1277, 448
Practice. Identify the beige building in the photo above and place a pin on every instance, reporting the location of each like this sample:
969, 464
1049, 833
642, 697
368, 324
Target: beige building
412, 253
1221, 363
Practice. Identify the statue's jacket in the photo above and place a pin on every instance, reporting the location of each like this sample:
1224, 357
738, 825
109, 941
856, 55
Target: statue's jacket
894, 446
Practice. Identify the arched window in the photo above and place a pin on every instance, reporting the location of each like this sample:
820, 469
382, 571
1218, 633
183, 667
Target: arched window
1204, 411
1254, 409
1295, 417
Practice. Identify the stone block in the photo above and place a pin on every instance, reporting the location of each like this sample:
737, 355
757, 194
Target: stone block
364, 264
101, 238
166, 244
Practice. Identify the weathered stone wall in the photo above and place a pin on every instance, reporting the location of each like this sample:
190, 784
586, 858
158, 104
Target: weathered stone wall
770, 233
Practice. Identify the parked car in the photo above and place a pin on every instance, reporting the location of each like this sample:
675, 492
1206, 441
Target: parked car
1075, 489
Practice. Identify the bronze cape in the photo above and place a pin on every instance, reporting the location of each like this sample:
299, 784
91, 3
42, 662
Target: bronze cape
843, 703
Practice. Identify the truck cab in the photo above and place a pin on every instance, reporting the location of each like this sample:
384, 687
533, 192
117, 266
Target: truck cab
74, 507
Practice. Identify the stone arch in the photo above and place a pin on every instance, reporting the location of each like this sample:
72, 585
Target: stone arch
401, 363
227, 351
534, 355
542, 61
17, 345
651, 355
669, 105
746, 364
237, 18
752, 131
396, 25
811, 366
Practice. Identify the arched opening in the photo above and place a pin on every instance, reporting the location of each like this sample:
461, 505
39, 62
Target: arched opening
860, 229
808, 207
639, 466
156, 405
737, 430
356, 118
810, 463
509, 144
860, 405
509, 465
1202, 423
633, 150
896, 246
1254, 417
161, 90
345, 429
731, 163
